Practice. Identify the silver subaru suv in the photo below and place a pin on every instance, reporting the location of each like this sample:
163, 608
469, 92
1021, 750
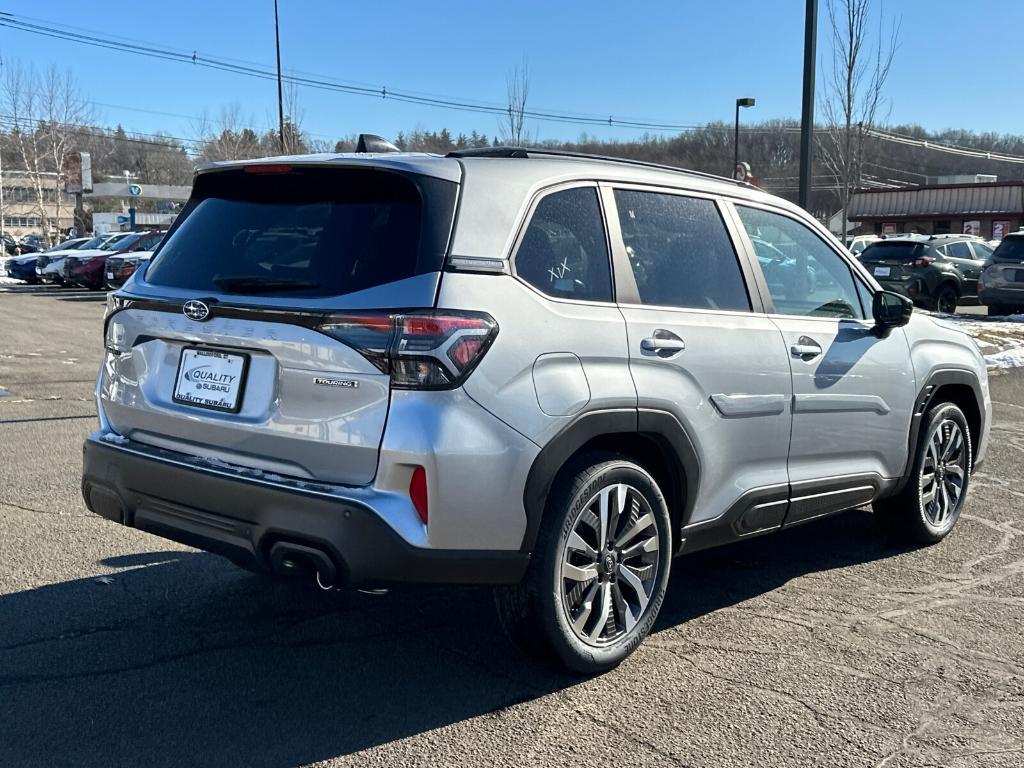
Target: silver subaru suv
548, 372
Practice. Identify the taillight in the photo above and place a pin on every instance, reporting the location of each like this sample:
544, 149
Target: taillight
418, 492
924, 261
429, 349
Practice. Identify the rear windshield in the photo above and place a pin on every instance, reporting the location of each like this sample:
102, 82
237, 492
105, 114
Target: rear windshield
312, 232
1011, 249
886, 251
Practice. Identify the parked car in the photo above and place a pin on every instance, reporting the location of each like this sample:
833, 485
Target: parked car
1001, 286
89, 271
22, 268
934, 272
526, 368
50, 265
120, 268
54, 255
17, 248
860, 242
35, 242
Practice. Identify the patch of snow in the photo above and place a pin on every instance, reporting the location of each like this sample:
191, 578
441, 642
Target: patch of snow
115, 439
1008, 358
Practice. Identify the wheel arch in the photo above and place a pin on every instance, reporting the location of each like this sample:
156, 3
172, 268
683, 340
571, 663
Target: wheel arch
654, 439
958, 386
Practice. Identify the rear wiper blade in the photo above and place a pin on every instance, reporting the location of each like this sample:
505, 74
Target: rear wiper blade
257, 283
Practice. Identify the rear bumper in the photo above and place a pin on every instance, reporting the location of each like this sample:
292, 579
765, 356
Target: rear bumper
242, 518
1001, 296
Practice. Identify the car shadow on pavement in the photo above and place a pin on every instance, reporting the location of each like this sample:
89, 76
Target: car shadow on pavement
181, 658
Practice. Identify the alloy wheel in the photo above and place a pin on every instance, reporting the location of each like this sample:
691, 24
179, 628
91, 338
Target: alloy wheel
609, 565
943, 473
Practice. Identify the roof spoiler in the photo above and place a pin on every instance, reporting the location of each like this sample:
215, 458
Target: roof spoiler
369, 142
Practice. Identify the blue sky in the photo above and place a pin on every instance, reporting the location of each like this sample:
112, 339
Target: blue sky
958, 65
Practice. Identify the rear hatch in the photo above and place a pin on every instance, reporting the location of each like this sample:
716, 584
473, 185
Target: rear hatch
893, 260
248, 338
1008, 260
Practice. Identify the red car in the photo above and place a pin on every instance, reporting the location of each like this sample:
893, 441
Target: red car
89, 271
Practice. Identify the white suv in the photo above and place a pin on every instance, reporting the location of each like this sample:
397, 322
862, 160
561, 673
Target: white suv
545, 371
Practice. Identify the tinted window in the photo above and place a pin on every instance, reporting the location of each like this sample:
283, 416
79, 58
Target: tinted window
151, 241
680, 251
313, 231
981, 251
804, 275
1011, 249
564, 252
958, 250
884, 251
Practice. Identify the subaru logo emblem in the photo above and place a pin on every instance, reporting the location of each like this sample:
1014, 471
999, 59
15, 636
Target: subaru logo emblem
196, 310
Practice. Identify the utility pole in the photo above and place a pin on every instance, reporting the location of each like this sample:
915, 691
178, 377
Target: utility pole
807, 115
280, 96
2, 232
748, 102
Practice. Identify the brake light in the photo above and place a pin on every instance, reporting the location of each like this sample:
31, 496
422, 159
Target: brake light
268, 168
428, 349
418, 492
924, 261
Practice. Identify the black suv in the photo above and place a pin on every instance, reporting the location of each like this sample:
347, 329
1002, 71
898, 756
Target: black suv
935, 272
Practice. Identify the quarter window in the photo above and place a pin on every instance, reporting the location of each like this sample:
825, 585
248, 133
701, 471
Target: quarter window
680, 251
804, 275
564, 252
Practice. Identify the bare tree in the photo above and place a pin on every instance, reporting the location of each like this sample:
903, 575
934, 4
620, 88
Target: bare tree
229, 137
853, 97
46, 113
513, 123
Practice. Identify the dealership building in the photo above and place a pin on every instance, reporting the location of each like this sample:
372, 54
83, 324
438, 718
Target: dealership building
987, 208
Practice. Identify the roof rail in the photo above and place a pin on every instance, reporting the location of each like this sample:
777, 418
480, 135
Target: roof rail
526, 152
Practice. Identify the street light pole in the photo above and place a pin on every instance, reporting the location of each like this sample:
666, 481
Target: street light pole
807, 115
280, 97
747, 102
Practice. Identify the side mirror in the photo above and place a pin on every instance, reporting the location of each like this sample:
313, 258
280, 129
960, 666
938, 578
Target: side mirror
891, 310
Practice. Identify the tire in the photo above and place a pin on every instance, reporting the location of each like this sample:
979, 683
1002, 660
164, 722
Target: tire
946, 298
919, 513
557, 615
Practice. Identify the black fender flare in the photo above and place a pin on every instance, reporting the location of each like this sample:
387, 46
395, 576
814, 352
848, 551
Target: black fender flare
924, 400
661, 426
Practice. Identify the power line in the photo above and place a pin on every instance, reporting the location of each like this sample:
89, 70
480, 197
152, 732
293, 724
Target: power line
51, 30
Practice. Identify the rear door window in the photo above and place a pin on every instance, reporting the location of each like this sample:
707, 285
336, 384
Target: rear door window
680, 251
564, 251
959, 250
312, 231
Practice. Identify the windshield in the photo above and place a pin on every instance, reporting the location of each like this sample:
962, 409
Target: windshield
122, 241
66, 245
96, 242
314, 231
1011, 249
892, 250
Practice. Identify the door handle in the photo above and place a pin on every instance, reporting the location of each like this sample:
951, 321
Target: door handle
805, 348
663, 343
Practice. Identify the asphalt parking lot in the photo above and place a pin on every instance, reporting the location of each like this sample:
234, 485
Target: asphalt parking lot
820, 646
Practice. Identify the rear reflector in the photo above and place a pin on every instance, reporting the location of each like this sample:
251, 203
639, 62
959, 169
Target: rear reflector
418, 492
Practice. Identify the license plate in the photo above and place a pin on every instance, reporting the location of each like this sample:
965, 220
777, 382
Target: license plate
110, 275
882, 271
209, 378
